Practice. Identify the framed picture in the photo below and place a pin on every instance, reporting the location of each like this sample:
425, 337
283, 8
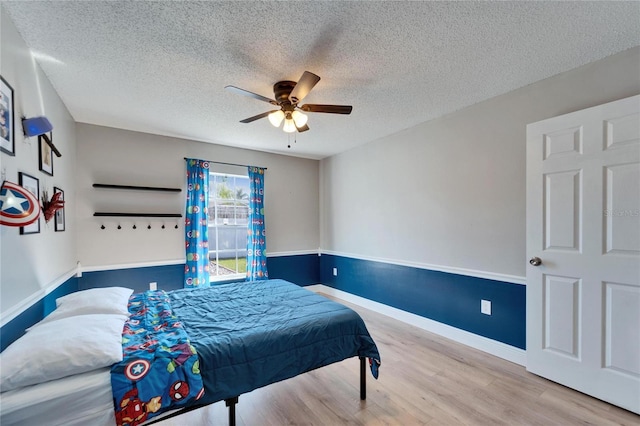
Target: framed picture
59, 225
45, 157
32, 185
7, 128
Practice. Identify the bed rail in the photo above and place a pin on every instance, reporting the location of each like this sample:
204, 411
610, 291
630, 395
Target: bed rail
232, 402
363, 378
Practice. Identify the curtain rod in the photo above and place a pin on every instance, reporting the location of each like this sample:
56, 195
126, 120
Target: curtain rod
229, 164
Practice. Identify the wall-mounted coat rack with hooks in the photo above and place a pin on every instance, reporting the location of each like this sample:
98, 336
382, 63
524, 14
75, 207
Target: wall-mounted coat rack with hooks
135, 226
104, 214
136, 188
137, 215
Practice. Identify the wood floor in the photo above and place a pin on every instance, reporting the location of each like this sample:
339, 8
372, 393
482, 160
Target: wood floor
424, 380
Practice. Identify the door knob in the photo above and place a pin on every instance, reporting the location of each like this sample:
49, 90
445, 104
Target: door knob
535, 261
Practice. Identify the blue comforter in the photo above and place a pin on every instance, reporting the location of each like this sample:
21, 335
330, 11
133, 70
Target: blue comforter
249, 335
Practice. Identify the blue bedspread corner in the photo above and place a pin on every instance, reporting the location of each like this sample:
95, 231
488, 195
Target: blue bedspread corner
375, 366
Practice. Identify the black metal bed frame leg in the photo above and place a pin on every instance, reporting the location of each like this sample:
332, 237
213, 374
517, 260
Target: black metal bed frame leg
231, 403
363, 378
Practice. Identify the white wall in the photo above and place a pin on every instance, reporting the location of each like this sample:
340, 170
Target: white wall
113, 156
32, 263
451, 192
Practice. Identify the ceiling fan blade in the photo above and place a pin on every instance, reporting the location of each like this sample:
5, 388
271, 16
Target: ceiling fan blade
303, 87
257, 117
239, 91
303, 128
331, 109
49, 142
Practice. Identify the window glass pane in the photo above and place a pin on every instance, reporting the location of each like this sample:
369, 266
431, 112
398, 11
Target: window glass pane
228, 222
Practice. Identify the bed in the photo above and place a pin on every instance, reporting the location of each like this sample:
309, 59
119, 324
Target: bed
243, 336
77, 400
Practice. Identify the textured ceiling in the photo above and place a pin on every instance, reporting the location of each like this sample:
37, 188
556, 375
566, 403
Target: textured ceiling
160, 67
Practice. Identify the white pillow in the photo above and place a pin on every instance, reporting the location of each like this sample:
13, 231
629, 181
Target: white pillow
62, 348
108, 300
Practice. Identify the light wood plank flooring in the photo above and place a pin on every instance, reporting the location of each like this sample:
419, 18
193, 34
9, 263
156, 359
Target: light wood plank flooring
424, 380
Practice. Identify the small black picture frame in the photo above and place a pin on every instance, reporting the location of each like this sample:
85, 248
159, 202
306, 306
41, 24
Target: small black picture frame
59, 217
31, 184
7, 119
45, 156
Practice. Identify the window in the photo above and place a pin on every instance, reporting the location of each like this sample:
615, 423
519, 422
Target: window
228, 222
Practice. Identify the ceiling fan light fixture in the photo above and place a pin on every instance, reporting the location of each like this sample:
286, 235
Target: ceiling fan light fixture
289, 126
287, 96
299, 118
276, 118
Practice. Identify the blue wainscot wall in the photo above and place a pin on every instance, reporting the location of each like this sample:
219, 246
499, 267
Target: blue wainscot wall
16, 327
168, 277
299, 269
448, 298
303, 269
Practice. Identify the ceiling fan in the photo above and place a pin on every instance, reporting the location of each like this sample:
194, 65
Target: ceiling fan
288, 94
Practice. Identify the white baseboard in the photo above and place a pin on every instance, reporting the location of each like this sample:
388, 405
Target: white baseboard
499, 349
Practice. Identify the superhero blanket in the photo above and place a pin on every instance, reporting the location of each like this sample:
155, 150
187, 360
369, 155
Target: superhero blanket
160, 369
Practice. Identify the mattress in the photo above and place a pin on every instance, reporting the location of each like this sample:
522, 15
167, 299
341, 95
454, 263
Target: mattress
249, 335
82, 399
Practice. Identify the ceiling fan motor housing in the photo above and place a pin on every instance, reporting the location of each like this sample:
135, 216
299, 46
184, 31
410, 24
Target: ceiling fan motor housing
282, 89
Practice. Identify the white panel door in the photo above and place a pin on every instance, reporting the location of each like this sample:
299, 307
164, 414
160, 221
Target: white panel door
583, 242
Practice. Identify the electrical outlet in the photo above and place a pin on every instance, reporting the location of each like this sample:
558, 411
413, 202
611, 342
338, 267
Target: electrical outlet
485, 307
335, 272
153, 286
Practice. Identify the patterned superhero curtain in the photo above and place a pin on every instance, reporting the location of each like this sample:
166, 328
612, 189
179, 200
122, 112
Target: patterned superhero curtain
196, 272
256, 236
